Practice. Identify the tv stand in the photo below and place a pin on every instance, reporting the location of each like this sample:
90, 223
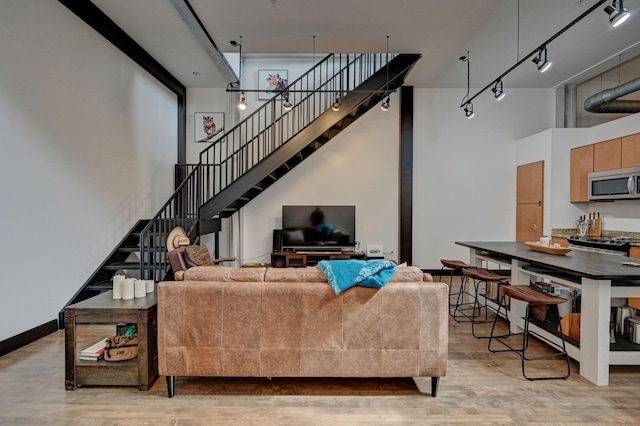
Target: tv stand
300, 259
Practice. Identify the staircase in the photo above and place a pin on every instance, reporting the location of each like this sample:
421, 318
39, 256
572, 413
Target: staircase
255, 154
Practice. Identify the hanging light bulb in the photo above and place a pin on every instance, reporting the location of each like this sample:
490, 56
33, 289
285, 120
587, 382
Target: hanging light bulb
336, 103
242, 104
288, 106
542, 62
386, 103
617, 15
468, 111
498, 93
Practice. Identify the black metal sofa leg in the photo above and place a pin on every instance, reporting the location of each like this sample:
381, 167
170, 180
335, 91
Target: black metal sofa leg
171, 386
435, 381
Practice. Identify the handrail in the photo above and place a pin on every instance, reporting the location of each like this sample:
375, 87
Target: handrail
248, 143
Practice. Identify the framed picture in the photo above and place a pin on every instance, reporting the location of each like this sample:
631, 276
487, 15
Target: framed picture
208, 126
270, 81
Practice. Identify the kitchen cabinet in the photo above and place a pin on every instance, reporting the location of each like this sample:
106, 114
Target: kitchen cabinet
581, 166
607, 155
631, 151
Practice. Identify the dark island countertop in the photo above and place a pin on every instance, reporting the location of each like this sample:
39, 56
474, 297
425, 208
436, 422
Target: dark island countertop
579, 263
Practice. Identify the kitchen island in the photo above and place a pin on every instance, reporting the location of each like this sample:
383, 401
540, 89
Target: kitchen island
599, 276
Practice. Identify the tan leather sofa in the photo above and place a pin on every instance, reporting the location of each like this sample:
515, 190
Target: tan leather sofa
288, 322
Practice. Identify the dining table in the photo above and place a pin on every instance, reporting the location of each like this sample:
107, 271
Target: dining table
599, 277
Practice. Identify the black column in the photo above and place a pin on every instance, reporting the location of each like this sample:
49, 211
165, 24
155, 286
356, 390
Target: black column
406, 175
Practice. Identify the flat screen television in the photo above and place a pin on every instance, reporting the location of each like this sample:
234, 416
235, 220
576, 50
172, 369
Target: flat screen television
318, 228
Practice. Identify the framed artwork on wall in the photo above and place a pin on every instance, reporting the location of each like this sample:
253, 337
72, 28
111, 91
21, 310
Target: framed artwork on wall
208, 126
270, 81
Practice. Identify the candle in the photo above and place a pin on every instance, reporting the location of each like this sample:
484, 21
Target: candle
150, 286
127, 288
118, 280
140, 288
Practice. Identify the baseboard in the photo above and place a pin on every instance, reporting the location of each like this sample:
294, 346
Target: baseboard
29, 336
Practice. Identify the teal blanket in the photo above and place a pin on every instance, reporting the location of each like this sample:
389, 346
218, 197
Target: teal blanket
344, 274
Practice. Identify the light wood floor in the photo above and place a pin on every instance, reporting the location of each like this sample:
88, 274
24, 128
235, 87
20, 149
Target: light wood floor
480, 388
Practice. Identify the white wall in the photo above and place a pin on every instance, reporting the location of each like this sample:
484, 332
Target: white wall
88, 144
358, 167
465, 170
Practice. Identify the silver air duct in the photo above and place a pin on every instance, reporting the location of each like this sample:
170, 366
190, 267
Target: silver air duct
605, 101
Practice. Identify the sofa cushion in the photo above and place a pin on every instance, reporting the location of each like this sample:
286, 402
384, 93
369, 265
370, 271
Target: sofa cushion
224, 274
197, 256
176, 259
295, 275
407, 274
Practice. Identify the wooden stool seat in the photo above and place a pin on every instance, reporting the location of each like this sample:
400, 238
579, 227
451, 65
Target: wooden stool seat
453, 264
482, 274
531, 295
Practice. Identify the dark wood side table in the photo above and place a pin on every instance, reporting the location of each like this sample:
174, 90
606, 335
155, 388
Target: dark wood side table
103, 309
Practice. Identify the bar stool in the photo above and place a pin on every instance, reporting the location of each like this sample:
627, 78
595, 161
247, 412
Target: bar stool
534, 299
479, 276
453, 265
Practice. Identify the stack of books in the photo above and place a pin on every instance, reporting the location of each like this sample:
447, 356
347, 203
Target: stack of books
94, 352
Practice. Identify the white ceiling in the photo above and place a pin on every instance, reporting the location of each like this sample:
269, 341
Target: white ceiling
497, 33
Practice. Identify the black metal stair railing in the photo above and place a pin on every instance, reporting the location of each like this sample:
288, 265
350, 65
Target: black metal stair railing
271, 125
250, 142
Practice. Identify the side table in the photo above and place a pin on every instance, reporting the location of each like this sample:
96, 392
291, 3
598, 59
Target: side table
103, 309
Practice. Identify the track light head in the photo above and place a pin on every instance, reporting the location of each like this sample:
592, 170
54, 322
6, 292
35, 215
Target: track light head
468, 110
498, 93
541, 60
336, 104
386, 103
235, 43
242, 104
617, 15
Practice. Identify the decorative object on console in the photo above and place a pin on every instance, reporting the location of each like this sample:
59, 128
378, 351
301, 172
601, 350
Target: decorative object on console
375, 251
118, 281
139, 289
128, 288
208, 126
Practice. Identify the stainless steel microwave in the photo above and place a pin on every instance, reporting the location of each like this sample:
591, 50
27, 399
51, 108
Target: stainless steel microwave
619, 184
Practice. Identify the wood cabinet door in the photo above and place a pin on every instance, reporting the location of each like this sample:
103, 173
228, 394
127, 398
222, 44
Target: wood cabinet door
530, 180
581, 166
528, 222
607, 155
631, 151
529, 199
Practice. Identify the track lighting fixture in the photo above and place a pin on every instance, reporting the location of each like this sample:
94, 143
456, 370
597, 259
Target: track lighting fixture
242, 104
386, 102
468, 110
541, 60
336, 103
617, 15
498, 93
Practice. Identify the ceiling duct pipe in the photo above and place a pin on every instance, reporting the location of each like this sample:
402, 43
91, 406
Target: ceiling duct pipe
605, 101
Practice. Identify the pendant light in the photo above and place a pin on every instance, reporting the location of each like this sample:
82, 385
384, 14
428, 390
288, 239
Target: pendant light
386, 100
242, 102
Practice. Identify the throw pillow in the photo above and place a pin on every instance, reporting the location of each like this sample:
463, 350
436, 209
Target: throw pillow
197, 256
